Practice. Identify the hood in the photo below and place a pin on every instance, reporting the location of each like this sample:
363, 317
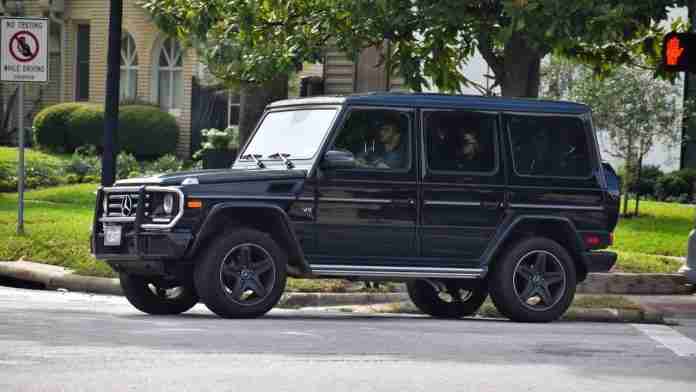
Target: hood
214, 176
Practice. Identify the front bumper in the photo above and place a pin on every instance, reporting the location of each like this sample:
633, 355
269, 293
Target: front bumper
143, 246
600, 261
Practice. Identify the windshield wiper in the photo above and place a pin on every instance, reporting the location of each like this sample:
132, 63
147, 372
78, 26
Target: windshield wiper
283, 157
255, 158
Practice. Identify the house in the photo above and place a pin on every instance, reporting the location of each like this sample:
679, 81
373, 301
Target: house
154, 68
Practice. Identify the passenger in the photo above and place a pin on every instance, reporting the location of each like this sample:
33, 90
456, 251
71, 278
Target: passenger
468, 151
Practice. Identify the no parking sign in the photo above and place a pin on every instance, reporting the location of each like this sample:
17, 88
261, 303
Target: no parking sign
24, 50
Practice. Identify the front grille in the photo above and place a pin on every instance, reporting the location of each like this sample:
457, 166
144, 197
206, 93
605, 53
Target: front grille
123, 205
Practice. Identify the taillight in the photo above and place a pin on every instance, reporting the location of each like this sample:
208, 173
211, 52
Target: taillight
592, 240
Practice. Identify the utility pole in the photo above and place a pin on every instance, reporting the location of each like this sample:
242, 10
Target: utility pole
688, 146
113, 75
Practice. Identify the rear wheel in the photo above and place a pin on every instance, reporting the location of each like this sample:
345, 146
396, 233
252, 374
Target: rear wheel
151, 295
242, 275
534, 281
447, 299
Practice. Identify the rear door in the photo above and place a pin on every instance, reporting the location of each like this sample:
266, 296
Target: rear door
463, 185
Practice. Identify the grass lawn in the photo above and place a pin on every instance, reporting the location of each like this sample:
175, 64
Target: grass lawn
58, 221
8, 156
661, 229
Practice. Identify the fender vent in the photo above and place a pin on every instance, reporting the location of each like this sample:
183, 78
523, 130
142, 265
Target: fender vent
281, 187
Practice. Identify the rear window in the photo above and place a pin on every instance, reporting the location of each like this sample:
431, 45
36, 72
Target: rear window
549, 146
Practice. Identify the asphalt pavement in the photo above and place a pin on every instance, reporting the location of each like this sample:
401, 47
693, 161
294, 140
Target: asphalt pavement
53, 341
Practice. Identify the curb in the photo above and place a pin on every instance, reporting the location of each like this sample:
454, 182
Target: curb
635, 284
53, 277
600, 315
614, 315
304, 300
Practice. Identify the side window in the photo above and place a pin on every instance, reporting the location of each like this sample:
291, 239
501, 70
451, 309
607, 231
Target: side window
549, 146
460, 141
379, 139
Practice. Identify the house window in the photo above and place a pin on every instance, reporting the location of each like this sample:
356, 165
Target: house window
233, 108
82, 64
169, 74
129, 68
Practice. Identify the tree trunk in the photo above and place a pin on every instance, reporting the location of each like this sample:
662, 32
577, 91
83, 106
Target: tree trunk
626, 187
521, 69
638, 176
253, 100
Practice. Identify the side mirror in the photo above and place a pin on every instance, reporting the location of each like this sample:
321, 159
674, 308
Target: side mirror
338, 160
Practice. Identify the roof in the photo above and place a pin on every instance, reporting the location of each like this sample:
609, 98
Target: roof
442, 101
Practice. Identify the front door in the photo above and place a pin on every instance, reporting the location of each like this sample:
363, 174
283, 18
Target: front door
463, 186
366, 215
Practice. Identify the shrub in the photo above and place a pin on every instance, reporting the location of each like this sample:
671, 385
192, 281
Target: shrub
82, 166
670, 186
51, 125
86, 127
127, 166
144, 130
147, 132
689, 176
166, 164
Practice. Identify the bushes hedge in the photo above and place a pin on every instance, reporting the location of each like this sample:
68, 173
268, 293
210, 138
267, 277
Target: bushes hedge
144, 130
147, 132
53, 124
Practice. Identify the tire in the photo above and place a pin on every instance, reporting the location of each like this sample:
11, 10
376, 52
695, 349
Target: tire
464, 299
242, 274
534, 281
146, 295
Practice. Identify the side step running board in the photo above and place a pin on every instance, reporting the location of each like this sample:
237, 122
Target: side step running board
396, 272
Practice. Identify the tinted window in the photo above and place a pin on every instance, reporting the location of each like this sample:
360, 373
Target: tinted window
379, 139
549, 146
460, 141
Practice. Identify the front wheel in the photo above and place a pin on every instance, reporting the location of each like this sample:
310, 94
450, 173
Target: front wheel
152, 296
534, 281
447, 299
242, 275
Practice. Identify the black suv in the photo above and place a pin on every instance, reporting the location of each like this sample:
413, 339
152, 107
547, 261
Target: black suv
458, 196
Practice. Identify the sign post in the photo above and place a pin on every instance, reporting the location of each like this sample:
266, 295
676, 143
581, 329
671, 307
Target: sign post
23, 58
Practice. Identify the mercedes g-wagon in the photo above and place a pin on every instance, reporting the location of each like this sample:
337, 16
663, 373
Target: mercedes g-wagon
457, 196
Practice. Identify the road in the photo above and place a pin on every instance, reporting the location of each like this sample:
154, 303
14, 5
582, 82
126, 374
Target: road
51, 341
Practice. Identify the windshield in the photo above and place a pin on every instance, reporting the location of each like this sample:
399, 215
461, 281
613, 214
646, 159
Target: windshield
296, 134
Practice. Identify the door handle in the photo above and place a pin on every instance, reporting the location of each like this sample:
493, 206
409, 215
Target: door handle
491, 205
408, 202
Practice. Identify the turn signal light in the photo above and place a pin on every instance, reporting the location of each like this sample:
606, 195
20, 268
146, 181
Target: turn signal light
194, 204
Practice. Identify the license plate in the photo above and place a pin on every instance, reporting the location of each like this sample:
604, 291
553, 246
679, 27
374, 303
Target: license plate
112, 235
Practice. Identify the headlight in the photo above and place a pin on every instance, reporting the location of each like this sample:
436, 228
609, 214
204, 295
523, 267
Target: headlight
168, 203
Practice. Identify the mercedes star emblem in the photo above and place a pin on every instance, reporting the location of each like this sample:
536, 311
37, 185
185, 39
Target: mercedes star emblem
127, 206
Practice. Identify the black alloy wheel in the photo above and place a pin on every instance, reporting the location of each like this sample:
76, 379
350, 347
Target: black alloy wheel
242, 274
152, 296
447, 298
539, 280
247, 274
533, 281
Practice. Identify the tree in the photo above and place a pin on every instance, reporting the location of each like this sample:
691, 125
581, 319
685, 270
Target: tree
250, 45
636, 110
432, 39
